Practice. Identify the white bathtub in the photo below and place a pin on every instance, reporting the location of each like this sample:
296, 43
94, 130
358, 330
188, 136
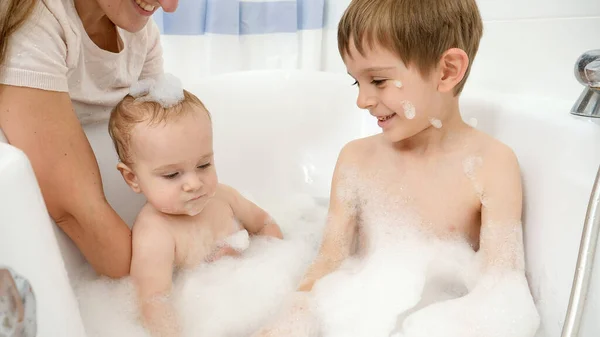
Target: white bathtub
280, 132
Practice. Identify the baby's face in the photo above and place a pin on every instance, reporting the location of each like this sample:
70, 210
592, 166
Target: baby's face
401, 100
174, 163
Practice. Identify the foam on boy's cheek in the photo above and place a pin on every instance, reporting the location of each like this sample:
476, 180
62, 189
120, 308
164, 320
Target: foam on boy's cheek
409, 110
435, 122
398, 84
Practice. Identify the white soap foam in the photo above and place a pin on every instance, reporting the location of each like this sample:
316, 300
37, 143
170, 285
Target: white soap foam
470, 166
435, 122
409, 110
230, 297
500, 305
398, 84
239, 241
401, 288
167, 90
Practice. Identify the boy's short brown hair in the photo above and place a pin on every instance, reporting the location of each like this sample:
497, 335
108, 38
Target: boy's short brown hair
418, 31
130, 112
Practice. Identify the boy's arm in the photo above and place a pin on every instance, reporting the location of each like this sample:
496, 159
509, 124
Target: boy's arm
340, 228
501, 249
254, 219
501, 238
151, 272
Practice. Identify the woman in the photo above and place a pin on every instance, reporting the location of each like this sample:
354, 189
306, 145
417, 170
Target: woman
67, 62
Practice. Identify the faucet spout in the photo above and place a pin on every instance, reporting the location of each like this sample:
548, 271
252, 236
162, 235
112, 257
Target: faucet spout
588, 104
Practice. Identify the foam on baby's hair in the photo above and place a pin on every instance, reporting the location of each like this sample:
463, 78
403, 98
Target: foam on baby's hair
166, 90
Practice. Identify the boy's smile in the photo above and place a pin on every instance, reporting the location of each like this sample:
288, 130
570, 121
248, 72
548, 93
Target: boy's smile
399, 97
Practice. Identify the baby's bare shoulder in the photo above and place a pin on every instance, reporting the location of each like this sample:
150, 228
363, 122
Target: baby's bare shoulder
151, 238
226, 194
149, 224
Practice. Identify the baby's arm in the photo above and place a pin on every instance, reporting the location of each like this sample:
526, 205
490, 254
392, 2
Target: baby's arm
254, 219
501, 238
340, 228
151, 271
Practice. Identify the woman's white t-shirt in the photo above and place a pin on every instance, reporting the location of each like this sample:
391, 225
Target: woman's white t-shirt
53, 52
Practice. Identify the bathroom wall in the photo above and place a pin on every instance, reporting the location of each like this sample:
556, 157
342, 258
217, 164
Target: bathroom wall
529, 47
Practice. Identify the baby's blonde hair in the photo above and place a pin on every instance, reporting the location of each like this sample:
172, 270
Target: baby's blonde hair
418, 31
130, 112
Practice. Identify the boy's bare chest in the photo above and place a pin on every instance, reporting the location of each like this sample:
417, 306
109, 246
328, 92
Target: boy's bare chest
438, 198
195, 238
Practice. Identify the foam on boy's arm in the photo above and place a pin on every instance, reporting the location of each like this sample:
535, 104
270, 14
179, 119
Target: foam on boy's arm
501, 238
340, 229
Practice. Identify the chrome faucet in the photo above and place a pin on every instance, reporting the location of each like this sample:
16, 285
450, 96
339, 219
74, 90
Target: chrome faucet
587, 72
17, 306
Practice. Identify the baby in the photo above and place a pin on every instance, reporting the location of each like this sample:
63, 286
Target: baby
166, 152
428, 169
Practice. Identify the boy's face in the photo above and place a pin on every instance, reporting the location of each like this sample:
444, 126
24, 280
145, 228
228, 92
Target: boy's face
403, 101
174, 164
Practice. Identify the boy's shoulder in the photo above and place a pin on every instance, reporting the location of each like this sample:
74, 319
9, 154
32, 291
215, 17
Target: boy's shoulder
360, 148
491, 148
497, 159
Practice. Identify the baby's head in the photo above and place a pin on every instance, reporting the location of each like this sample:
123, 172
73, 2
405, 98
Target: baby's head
409, 57
166, 153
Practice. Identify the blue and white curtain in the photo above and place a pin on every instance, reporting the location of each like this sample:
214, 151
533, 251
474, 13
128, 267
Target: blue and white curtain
206, 37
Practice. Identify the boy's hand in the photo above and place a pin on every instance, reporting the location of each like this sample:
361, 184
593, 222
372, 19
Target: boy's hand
271, 229
294, 320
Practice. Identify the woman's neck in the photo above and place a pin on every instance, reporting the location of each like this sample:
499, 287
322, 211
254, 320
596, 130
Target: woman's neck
97, 25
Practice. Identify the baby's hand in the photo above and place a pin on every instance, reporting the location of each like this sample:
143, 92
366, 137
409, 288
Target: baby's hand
220, 251
233, 245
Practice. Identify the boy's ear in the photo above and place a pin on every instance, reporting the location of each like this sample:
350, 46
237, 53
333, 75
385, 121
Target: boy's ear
453, 67
129, 176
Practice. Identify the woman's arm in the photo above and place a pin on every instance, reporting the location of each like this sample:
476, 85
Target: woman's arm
44, 126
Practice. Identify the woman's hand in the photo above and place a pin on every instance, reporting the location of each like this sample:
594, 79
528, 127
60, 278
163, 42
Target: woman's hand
44, 126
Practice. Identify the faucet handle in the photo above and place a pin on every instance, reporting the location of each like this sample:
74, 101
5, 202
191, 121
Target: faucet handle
587, 69
592, 73
17, 306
